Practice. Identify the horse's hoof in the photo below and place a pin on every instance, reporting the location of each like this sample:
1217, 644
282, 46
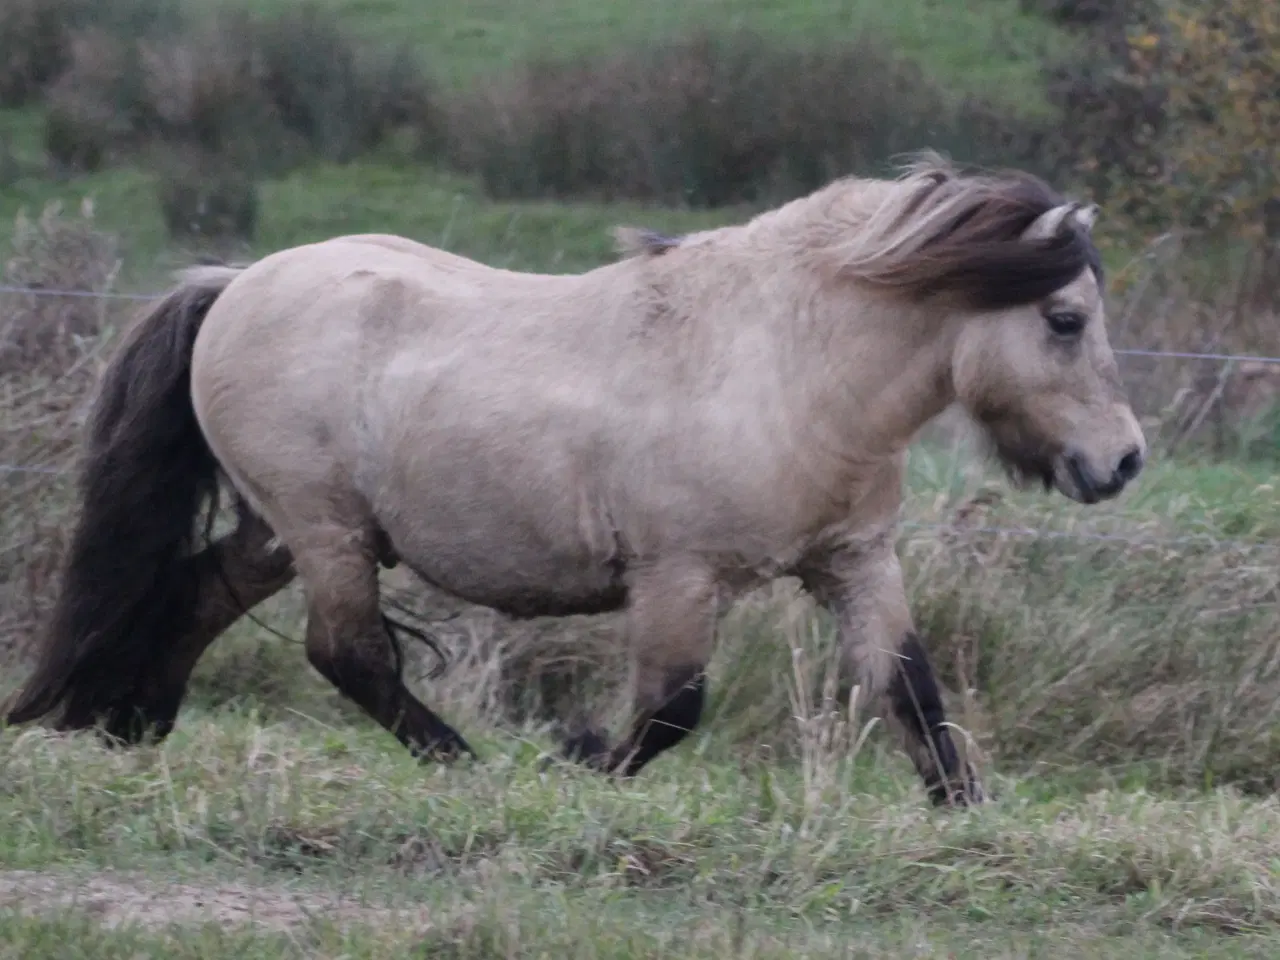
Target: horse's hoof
588, 748
447, 751
945, 795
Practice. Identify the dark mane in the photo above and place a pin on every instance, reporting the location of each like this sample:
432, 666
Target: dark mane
962, 236
640, 241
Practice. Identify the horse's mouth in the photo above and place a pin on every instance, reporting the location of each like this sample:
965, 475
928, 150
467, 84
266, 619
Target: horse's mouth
1025, 467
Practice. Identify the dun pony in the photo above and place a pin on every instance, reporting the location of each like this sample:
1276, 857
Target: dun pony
657, 434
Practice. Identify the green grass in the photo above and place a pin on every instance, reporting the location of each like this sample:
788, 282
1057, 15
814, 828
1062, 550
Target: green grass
1114, 686
383, 194
1186, 497
988, 47
373, 196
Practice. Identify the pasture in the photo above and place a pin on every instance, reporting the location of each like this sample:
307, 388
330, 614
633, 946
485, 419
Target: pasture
989, 47
1115, 670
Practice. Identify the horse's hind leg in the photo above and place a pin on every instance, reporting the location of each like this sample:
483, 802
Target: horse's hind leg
671, 619
233, 575
348, 643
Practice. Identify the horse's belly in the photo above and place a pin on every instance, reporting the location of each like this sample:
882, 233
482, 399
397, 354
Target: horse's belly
549, 592
511, 566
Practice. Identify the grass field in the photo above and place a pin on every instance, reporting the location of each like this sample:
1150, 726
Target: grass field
324, 201
1118, 679
1115, 685
342, 847
990, 47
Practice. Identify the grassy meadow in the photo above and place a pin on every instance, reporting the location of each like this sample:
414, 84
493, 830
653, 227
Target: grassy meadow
991, 47
1115, 670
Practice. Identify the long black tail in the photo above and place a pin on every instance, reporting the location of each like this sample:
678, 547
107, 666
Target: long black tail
148, 473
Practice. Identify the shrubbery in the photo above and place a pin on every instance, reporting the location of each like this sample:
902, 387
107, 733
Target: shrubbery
715, 119
266, 93
204, 199
35, 42
248, 95
707, 120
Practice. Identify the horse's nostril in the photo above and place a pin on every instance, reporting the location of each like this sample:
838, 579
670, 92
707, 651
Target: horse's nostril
1130, 465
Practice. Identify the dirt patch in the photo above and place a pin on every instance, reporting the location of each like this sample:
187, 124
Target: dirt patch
118, 898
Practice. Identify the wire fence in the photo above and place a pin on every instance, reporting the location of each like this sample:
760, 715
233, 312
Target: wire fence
1021, 532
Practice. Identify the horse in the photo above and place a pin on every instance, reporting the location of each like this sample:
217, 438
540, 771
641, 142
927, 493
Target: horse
655, 436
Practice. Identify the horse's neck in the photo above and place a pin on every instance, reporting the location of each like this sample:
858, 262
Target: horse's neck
881, 372
864, 371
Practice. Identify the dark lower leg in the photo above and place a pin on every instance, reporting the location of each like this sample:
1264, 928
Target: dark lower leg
916, 703
658, 729
372, 684
349, 644
671, 630
233, 575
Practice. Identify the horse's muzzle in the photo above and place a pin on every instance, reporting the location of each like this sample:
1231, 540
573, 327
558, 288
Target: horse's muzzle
1083, 484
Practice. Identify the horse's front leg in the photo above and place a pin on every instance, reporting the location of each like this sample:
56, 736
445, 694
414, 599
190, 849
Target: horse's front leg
861, 585
671, 620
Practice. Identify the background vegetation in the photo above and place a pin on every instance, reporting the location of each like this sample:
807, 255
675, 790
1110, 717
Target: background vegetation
1116, 671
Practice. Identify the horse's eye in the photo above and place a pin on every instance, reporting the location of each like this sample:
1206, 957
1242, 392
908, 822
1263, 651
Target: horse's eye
1066, 323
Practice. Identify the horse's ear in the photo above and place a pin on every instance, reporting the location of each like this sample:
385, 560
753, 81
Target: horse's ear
1085, 216
1052, 222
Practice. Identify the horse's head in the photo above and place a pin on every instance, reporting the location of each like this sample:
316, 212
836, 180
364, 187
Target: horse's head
1010, 270
1040, 378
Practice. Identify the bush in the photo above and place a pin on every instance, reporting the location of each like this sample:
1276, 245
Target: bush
203, 199
1089, 14
54, 253
35, 45
265, 93
1218, 64
711, 120
37, 37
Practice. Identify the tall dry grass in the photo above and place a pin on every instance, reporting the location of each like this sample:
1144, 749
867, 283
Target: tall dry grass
52, 349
